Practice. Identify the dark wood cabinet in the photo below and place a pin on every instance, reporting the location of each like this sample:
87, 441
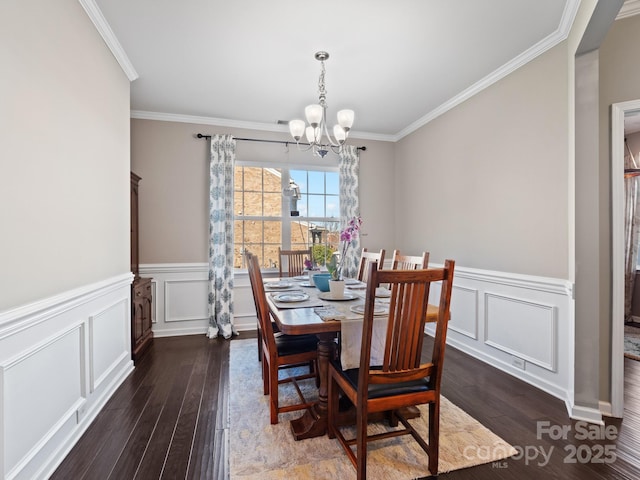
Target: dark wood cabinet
141, 298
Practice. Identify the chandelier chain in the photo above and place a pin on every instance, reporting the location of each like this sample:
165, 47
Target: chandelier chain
322, 91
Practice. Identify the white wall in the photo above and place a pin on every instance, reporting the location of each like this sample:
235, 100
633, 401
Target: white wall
64, 223
486, 182
64, 150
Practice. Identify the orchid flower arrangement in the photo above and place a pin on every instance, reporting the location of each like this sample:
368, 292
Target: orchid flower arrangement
347, 236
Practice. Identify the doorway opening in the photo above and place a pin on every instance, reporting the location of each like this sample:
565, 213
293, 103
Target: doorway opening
619, 111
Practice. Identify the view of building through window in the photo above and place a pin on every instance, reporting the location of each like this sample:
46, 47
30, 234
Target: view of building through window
263, 220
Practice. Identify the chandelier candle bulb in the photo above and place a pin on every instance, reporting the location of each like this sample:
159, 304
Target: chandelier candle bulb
345, 119
313, 114
296, 127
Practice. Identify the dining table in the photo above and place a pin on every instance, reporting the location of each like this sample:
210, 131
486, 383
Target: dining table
299, 308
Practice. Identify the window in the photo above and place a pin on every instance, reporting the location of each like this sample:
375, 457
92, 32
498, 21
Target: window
262, 213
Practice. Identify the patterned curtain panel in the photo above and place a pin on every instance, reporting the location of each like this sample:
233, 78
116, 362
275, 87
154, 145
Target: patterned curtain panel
223, 155
349, 204
631, 230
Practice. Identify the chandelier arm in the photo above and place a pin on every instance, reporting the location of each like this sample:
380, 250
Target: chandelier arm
326, 130
309, 147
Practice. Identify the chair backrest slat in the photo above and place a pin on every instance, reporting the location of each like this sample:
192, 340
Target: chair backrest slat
294, 261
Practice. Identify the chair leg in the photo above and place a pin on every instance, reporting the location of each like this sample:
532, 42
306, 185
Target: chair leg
273, 392
434, 436
392, 418
265, 376
332, 410
361, 445
259, 330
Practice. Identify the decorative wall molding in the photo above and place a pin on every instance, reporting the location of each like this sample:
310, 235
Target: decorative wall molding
27, 316
464, 305
101, 24
629, 9
535, 322
187, 294
105, 356
72, 349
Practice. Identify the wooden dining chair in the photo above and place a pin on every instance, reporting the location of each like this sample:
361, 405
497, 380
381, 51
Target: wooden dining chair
409, 262
366, 258
280, 351
401, 380
293, 260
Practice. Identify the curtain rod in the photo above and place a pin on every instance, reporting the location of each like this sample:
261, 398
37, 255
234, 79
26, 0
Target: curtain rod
284, 142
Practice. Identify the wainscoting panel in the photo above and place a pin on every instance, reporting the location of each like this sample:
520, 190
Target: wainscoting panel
107, 342
535, 323
51, 395
61, 358
464, 311
183, 300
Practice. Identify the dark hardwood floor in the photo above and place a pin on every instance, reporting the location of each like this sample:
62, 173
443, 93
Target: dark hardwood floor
169, 420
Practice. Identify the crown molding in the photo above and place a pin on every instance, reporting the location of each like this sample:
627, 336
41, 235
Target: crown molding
223, 122
568, 16
109, 38
629, 9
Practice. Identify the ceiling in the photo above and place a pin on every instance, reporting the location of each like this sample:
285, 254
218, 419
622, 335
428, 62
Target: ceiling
251, 63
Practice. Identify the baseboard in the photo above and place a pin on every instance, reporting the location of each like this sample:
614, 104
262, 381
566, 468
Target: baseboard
587, 414
606, 408
495, 362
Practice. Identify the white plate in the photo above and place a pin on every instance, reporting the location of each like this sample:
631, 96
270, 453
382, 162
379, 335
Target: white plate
307, 284
329, 296
383, 292
291, 297
301, 278
377, 309
353, 281
277, 285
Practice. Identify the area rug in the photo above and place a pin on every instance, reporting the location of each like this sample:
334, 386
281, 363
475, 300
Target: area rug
632, 342
261, 451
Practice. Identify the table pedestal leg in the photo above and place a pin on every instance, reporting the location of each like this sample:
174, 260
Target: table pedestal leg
314, 421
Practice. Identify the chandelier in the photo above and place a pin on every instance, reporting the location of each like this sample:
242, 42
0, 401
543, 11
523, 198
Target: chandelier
316, 132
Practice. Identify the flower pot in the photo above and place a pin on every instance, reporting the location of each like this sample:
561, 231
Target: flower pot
321, 280
336, 287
